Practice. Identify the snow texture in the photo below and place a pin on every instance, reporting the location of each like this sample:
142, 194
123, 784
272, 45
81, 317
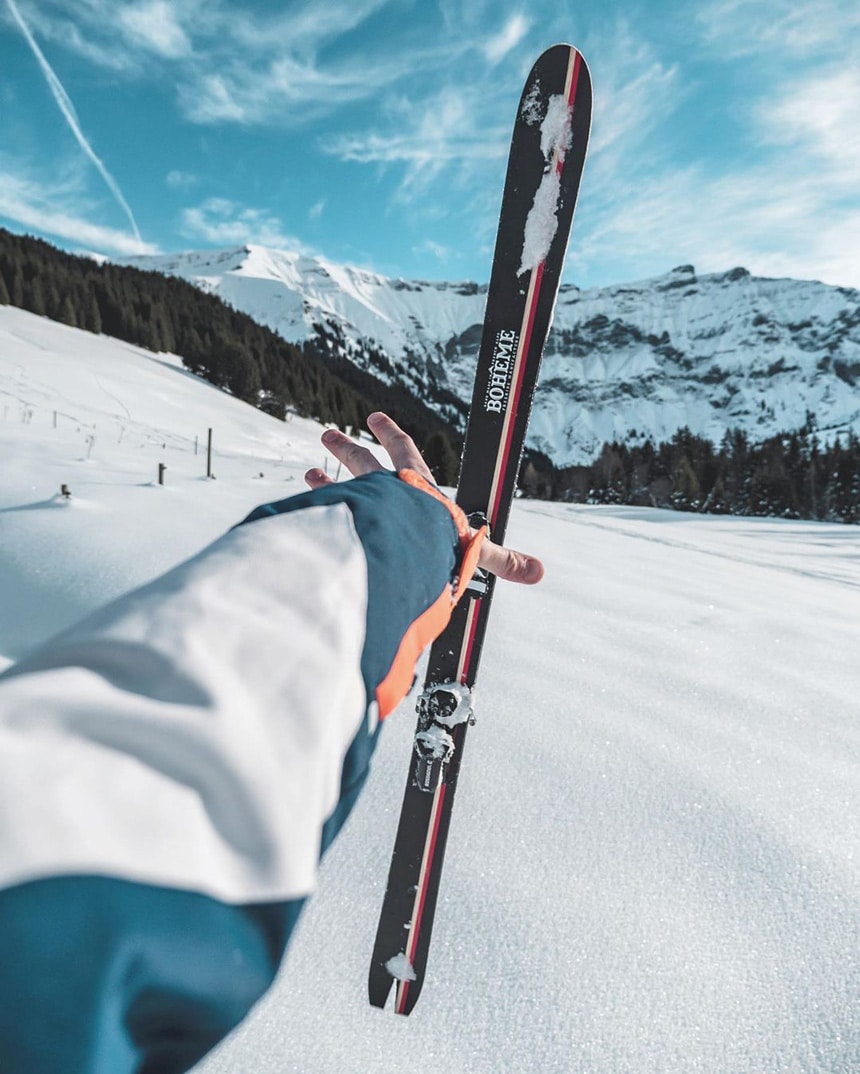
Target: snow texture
663, 876
463, 708
530, 112
542, 220
435, 743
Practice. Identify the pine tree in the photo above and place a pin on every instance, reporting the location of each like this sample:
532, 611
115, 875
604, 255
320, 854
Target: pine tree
67, 312
94, 317
17, 292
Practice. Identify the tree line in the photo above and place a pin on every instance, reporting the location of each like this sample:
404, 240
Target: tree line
221, 344
795, 475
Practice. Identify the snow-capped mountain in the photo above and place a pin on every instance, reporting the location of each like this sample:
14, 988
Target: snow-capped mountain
634, 361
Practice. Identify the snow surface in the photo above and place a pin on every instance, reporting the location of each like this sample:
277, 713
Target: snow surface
653, 866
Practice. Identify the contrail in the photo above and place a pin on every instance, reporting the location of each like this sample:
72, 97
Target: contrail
68, 109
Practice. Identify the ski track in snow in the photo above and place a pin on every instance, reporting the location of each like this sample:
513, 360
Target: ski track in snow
653, 864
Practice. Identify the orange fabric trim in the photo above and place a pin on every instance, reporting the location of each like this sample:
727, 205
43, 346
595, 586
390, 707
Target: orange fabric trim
469, 561
429, 625
411, 477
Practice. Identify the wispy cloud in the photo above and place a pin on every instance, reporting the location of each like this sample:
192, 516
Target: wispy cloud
235, 64
224, 222
65, 105
154, 24
34, 206
748, 27
428, 135
821, 114
179, 180
316, 210
770, 221
436, 250
511, 34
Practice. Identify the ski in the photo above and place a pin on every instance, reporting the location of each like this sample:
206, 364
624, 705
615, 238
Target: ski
547, 154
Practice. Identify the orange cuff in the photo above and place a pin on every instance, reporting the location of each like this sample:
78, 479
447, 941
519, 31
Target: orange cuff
470, 544
430, 624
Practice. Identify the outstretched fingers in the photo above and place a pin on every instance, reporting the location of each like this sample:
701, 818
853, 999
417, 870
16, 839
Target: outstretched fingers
360, 460
400, 446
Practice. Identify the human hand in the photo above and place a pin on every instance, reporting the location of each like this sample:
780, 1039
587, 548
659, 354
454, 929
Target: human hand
503, 562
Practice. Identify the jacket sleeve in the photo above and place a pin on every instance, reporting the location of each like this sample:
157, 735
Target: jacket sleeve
185, 754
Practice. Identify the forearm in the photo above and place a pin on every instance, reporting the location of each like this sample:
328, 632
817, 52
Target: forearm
192, 744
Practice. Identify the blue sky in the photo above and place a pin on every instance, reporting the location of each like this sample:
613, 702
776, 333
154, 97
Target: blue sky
374, 132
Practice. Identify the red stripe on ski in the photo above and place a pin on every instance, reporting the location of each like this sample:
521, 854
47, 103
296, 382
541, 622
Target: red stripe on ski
403, 992
517, 389
532, 309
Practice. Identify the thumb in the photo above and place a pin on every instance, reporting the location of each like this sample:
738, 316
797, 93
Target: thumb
510, 565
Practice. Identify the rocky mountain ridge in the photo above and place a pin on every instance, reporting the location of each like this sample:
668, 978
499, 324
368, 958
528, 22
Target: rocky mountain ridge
631, 362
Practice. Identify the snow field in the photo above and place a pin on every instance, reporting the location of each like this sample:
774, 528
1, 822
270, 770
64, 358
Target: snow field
653, 865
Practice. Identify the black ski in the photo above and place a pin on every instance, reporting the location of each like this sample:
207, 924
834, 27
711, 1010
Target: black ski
544, 169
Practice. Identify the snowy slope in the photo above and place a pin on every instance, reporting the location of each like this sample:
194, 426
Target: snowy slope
100, 415
654, 864
641, 360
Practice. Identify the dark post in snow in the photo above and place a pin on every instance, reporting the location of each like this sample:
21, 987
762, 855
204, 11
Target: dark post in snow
209, 455
161, 469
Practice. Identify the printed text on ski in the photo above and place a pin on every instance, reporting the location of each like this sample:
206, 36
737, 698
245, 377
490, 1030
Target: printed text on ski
501, 371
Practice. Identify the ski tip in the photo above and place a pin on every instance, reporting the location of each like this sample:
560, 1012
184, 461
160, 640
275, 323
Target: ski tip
563, 53
380, 983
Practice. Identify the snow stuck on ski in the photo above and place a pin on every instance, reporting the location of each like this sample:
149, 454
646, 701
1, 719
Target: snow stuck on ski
542, 221
462, 710
400, 968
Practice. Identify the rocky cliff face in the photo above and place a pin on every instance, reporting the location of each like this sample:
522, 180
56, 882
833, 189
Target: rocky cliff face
631, 362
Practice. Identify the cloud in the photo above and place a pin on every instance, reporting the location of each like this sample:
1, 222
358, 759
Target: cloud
749, 27
636, 93
819, 113
767, 219
66, 107
454, 126
180, 180
316, 210
511, 34
155, 26
223, 222
234, 64
31, 206
435, 249
214, 100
